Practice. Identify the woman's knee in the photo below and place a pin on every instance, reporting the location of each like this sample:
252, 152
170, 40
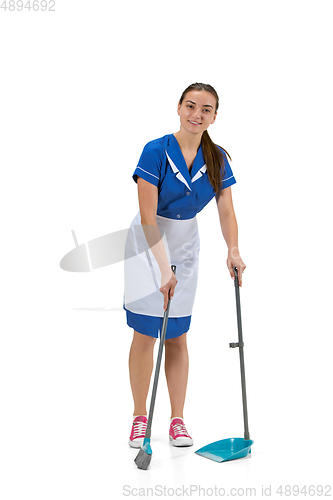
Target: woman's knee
177, 343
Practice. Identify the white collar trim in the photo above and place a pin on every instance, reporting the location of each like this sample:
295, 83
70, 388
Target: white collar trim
199, 173
179, 176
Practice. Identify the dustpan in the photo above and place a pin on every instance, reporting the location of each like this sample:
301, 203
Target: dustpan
233, 448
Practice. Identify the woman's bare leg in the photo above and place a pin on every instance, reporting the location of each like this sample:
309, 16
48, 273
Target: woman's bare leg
140, 369
176, 371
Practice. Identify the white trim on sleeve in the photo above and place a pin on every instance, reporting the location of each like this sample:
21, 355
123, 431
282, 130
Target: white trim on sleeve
224, 180
148, 173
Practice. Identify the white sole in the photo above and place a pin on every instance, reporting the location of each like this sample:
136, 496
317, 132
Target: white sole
136, 444
181, 441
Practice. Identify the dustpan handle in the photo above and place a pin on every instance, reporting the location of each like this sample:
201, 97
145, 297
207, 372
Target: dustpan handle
241, 355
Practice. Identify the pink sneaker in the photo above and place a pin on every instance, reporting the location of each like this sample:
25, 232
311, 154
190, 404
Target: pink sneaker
178, 434
139, 427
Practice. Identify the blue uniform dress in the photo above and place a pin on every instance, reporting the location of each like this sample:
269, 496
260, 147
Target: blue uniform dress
181, 195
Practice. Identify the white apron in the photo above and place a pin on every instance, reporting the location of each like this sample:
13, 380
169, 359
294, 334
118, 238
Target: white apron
142, 273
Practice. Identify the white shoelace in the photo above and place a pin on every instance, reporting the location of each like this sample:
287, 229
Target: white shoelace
179, 429
139, 429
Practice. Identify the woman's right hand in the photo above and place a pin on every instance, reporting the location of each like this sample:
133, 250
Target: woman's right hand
168, 285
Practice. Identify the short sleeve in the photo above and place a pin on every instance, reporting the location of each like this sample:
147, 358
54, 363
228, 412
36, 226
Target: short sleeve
149, 166
228, 178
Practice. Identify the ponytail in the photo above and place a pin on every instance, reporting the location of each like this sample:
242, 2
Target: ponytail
214, 160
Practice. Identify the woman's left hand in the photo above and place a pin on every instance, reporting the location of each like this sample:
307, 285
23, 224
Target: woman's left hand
234, 260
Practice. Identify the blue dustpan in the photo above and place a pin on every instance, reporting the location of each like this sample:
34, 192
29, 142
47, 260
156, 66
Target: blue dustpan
226, 449
233, 448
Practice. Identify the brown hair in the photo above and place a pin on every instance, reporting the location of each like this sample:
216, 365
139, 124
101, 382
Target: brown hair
212, 155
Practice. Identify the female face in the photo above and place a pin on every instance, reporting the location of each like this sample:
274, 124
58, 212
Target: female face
197, 111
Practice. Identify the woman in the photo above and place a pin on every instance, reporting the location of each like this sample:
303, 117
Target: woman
177, 175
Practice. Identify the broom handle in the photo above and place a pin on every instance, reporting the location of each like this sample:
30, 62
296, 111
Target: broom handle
158, 366
241, 355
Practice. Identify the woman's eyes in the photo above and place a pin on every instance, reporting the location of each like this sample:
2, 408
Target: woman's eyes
191, 106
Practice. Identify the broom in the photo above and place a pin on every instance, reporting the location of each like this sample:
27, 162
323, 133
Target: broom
143, 458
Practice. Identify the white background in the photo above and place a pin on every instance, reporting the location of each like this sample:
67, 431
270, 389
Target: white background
83, 89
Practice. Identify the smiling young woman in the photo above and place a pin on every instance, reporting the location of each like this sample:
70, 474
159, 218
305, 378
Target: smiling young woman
177, 175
